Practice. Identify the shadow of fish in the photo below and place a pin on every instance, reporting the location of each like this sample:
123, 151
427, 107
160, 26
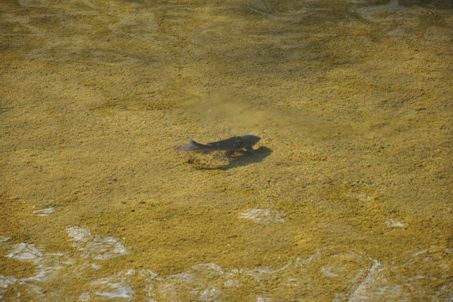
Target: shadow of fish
230, 145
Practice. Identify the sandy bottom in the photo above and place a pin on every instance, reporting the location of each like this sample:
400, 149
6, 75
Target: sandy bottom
348, 196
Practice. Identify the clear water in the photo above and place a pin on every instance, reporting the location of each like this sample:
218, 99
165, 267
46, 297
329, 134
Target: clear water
347, 198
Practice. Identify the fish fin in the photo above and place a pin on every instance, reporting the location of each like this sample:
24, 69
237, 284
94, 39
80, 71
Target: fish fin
198, 145
193, 146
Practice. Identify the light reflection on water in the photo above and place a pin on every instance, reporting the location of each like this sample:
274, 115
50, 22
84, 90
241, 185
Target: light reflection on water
356, 276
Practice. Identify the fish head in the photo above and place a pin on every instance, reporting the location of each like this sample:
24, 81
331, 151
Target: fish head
251, 139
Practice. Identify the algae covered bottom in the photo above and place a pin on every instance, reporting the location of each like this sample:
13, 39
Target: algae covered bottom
347, 198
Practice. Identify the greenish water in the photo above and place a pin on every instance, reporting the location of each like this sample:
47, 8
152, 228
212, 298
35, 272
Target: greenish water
347, 198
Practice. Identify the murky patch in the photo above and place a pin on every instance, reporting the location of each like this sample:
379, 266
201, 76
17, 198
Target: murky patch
409, 16
373, 12
388, 11
34, 3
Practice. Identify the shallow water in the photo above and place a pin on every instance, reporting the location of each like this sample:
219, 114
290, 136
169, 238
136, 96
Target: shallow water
347, 198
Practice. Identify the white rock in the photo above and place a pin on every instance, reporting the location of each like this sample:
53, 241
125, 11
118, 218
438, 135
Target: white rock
25, 251
95, 247
263, 216
78, 234
210, 294
44, 212
391, 223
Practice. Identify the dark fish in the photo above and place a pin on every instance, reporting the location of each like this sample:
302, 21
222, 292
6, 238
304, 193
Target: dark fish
230, 145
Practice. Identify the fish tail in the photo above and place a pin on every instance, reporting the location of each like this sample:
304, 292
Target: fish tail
193, 146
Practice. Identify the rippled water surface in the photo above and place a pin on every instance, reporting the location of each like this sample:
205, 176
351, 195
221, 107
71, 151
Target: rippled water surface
348, 196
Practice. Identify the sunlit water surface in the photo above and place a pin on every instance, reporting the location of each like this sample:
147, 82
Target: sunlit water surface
347, 198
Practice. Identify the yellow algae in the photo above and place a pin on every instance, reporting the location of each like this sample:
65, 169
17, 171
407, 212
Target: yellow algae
347, 196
